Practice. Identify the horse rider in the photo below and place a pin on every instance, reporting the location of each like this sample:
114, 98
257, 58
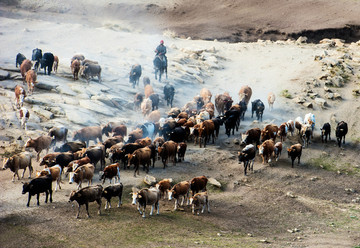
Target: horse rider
161, 51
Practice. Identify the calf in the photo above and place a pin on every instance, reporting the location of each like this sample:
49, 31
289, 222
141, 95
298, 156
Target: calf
154, 101
164, 186
206, 129
135, 74
325, 132
298, 123
290, 126
277, 150
115, 128
148, 90
269, 132
138, 99
37, 186
88, 133
18, 162
305, 134
54, 172
146, 106
282, 133
181, 151
25, 67
271, 100
294, 152
86, 195
200, 201
197, 184
84, 172
47, 61
59, 134
73, 165
110, 172
145, 197
56, 63
39, 144
166, 151
258, 107
20, 95
75, 68
247, 155
266, 150
245, 93
24, 117
169, 92
140, 156
180, 190
341, 131
19, 59
112, 191
310, 120
206, 95
31, 81
79, 57
92, 70
251, 136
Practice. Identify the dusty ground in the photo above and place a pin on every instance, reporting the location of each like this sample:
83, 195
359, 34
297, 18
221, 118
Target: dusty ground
312, 205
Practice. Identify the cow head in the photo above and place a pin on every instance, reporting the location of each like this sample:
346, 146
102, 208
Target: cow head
261, 149
30, 143
74, 195
242, 157
244, 139
7, 162
171, 194
134, 195
27, 187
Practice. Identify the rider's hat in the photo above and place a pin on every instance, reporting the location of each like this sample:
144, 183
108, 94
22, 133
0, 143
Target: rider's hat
161, 42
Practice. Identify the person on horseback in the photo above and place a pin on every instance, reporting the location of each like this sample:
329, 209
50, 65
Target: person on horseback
161, 51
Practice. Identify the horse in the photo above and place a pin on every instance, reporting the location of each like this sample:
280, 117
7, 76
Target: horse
160, 65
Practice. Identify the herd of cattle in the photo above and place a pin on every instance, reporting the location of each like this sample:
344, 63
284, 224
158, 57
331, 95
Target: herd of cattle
157, 138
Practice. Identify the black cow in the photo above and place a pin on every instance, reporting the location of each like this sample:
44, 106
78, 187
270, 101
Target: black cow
258, 107
112, 191
247, 155
178, 134
96, 154
341, 131
166, 130
231, 121
47, 61
155, 101
64, 159
243, 108
135, 74
86, 195
72, 146
37, 186
169, 92
92, 70
36, 56
325, 132
218, 121
19, 59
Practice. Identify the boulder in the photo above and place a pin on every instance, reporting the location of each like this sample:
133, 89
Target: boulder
329, 95
214, 182
299, 99
320, 101
338, 81
301, 40
308, 104
337, 96
97, 106
80, 116
46, 85
149, 180
4, 75
66, 90
8, 84
42, 112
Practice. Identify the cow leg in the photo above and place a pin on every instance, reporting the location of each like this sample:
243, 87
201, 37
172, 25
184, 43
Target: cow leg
99, 202
120, 203
87, 209
38, 198
106, 204
292, 162
29, 198
152, 209
344, 140
245, 166
176, 204
203, 208
299, 160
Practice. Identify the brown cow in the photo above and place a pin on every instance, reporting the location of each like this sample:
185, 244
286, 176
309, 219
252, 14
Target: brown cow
282, 133
206, 130
31, 81
197, 184
164, 186
269, 132
298, 123
223, 102
180, 190
54, 171
88, 133
181, 151
200, 200
148, 90
138, 99
73, 165
306, 134
146, 106
144, 141
18, 162
277, 150
110, 172
135, 135
20, 95
84, 172
166, 151
49, 159
140, 156
24, 67
251, 136
119, 130
24, 117
56, 63
183, 115
75, 68
145, 197
154, 116
86, 195
159, 141
245, 93
266, 150
271, 100
295, 152
206, 95
291, 127
40, 143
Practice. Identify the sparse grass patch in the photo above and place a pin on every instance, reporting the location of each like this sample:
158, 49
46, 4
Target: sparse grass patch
285, 93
